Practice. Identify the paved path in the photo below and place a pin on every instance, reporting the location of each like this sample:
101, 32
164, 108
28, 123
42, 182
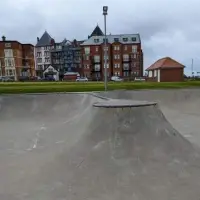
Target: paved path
57, 147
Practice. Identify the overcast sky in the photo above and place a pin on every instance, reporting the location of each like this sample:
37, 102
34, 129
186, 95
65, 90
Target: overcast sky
167, 27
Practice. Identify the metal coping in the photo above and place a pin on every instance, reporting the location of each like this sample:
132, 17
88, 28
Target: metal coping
113, 103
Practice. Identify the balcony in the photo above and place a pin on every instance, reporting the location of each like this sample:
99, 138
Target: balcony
96, 68
126, 59
39, 68
126, 67
97, 60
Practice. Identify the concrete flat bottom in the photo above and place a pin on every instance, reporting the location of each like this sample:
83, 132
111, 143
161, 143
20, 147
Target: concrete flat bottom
58, 146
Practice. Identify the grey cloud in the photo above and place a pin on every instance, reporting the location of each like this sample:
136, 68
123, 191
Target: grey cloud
167, 27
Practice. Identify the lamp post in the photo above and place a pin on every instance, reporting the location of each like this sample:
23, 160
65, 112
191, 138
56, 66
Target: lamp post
105, 12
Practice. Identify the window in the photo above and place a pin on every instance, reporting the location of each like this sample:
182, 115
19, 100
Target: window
117, 73
39, 60
106, 40
126, 57
47, 60
133, 39
46, 54
7, 44
106, 57
97, 58
117, 65
125, 39
105, 48
10, 72
39, 54
97, 67
133, 64
134, 48
116, 48
125, 47
8, 53
9, 62
116, 56
97, 49
107, 65
126, 73
96, 40
126, 66
86, 66
87, 50
116, 39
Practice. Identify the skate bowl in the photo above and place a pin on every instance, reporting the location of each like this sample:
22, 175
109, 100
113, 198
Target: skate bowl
80, 146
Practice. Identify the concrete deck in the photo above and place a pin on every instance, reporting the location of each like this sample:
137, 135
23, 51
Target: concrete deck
61, 147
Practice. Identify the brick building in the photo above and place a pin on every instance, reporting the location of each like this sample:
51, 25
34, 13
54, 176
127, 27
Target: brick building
166, 70
124, 55
16, 59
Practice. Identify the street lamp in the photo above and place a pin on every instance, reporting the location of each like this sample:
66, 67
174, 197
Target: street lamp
105, 12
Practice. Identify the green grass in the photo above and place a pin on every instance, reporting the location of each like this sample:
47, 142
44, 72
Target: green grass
45, 87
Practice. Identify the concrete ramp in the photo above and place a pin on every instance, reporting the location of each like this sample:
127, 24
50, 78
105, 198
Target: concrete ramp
77, 146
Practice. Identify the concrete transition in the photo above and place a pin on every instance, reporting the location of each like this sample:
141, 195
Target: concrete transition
81, 147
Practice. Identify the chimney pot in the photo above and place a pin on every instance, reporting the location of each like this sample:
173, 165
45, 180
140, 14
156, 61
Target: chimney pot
3, 38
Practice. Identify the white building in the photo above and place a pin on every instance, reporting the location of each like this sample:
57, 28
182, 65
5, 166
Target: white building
42, 53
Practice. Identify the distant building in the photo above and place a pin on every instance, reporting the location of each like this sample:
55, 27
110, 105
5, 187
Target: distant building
124, 55
42, 53
16, 59
166, 70
66, 57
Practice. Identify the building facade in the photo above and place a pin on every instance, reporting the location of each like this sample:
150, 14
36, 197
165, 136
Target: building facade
42, 53
165, 70
16, 59
123, 54
66, 57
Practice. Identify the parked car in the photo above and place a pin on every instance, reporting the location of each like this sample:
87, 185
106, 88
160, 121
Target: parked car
82, 79
7, 79
116, 78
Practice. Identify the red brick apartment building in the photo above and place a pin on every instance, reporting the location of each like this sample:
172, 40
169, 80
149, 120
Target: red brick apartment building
124, 55
16, 59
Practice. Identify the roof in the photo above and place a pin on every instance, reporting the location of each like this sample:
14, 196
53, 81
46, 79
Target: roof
52, 67
122, 38
44, 40
165, 63
97, 32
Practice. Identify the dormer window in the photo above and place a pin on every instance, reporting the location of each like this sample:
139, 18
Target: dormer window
116, 39
96, 40
133, 39
106, 40
125, 39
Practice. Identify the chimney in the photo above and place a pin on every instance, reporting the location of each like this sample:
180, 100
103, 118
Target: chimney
3, 38
38, 39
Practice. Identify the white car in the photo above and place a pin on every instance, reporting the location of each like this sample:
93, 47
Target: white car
82, 79
116, 78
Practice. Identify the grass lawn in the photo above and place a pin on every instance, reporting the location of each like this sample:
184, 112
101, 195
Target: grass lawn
44, 87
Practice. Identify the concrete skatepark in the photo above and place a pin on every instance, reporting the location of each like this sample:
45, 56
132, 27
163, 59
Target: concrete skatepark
96, 146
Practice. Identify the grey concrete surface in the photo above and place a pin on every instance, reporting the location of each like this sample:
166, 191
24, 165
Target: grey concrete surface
60, 147
181, 107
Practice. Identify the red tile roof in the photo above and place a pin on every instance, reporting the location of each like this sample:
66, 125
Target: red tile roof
165, 63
